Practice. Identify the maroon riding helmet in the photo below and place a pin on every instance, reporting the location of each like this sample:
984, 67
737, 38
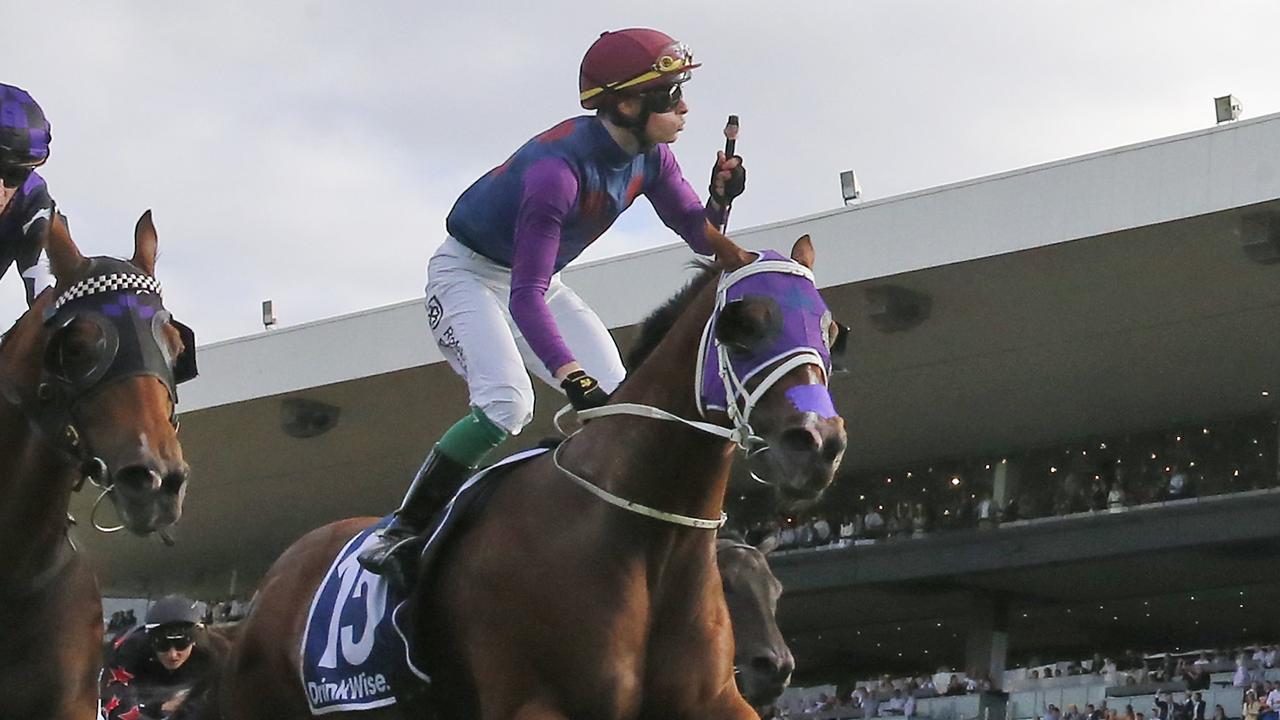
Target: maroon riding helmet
630, 62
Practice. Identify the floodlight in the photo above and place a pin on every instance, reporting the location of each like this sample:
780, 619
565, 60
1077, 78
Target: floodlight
1228, 108
849, 187
268, 315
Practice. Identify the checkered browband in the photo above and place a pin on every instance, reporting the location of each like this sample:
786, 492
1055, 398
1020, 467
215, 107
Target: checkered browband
111, 282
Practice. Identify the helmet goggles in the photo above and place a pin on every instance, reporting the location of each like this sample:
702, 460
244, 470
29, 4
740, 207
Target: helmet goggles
172, 637
663, 100
674, 65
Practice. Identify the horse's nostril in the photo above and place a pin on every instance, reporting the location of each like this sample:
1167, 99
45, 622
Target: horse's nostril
784, 671
800, 439
138, 477
832, 448
765, 665
174, 481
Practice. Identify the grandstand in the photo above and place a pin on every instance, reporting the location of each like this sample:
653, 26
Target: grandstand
1107, 296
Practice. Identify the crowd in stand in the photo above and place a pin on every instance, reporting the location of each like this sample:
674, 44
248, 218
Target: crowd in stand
223, 611
120, 621
1093, 476
1186, 674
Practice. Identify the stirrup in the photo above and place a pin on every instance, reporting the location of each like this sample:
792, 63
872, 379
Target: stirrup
385, 557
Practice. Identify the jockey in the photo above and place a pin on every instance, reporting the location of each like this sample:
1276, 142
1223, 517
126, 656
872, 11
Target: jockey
150, 670
495, 300
25, 205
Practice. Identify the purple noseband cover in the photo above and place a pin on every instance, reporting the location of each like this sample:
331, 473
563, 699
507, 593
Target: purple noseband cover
812, 398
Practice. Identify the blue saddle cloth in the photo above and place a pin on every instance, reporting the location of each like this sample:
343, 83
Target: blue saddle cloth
352, 646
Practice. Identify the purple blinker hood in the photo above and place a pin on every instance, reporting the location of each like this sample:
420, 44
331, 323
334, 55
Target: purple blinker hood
799, 339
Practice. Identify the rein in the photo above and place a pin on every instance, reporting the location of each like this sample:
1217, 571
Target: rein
635, 507
735, 389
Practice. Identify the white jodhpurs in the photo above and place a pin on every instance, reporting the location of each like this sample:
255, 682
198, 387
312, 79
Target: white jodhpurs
467, 298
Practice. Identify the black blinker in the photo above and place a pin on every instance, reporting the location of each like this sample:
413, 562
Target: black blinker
184, 366
839, 347
841, 343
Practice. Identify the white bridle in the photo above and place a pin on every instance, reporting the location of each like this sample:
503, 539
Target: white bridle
736, 391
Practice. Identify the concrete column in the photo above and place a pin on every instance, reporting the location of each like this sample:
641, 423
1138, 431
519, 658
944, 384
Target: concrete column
986, 647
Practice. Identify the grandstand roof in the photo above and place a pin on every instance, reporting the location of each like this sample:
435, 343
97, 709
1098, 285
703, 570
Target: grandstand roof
1102, 293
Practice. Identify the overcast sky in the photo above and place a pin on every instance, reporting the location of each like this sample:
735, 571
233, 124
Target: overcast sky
308, 151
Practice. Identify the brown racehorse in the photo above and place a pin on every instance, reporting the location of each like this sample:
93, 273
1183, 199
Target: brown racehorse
73, 406
762, 661
555, 603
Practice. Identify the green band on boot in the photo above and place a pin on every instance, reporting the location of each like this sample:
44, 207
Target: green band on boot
471, 438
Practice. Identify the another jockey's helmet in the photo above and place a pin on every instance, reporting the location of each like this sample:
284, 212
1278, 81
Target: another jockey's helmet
24, 130
173, 610
629, 62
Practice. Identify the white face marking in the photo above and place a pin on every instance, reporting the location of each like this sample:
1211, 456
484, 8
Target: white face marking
144, 445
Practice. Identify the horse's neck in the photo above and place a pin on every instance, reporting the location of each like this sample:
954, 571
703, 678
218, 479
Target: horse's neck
35, 491
659, 463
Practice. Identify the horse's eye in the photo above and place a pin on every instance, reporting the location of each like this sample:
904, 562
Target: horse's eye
74, 352
744, 325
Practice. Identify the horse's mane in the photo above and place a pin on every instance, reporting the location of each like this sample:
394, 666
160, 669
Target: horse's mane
659, 323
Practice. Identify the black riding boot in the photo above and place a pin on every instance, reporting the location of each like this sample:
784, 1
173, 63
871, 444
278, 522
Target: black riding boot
433, 486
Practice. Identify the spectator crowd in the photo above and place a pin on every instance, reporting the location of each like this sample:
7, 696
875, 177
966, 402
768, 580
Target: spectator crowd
222, 611
120, 621
1174, 682
1094, 476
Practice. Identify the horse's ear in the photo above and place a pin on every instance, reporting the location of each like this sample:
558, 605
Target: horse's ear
727, 251
64, 257
144, 244
802, 251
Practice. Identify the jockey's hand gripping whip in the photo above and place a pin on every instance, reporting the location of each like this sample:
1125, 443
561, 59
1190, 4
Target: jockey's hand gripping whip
730, 147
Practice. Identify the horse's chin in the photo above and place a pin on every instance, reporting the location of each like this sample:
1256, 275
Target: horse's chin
762, 699
767, 711
799, 479
143, 518
759, 692
794, 499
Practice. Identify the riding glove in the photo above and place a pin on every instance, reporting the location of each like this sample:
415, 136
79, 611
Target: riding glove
732, 187
584, 391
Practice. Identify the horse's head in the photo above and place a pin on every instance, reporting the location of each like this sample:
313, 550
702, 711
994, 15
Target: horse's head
765, 359
762, 662
102, 359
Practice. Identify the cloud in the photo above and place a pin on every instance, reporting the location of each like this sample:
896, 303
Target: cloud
309, 151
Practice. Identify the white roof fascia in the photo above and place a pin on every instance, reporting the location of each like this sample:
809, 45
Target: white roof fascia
1186, 175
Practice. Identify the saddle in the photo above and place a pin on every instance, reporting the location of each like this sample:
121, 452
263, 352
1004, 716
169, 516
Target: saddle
355, 653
